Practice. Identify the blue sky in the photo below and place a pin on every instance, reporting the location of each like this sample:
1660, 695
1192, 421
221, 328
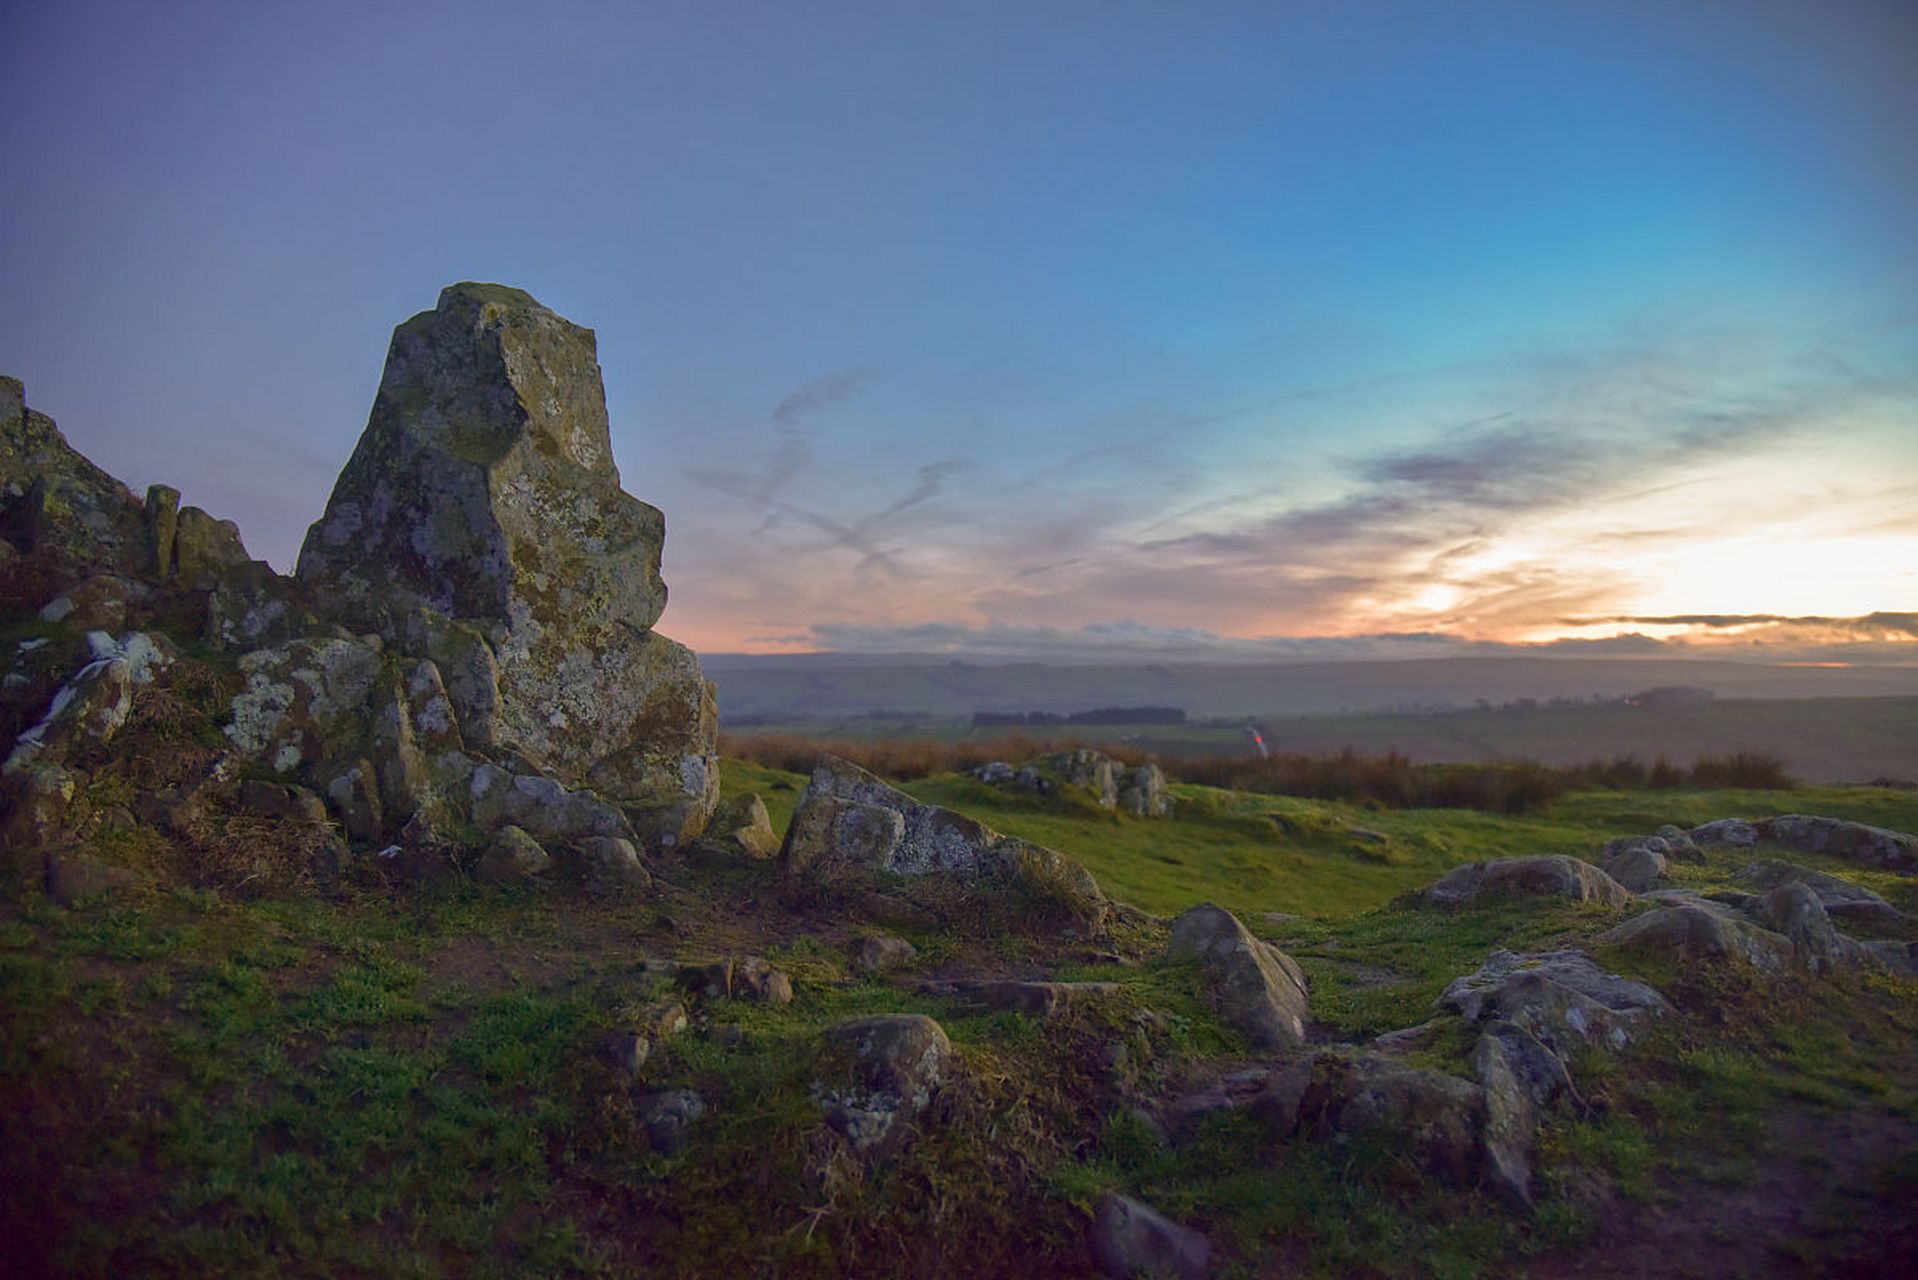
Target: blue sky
1095, 324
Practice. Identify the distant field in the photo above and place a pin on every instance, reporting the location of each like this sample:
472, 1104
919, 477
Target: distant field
1820, 739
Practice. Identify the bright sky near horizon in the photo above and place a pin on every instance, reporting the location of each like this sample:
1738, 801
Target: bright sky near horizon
1049, 328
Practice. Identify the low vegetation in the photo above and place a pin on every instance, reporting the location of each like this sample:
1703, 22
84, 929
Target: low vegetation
406, 1082
1390, 779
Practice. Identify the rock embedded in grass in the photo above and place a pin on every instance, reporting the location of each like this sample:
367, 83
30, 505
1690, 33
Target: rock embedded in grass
1549, 876
511, 856
1869, 846
1258, 990
881, 953
1131, 1239
1840, 898
874, 1076
1561, 997
850, 826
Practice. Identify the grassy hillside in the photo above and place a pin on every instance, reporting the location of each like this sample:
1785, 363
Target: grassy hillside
402, 1082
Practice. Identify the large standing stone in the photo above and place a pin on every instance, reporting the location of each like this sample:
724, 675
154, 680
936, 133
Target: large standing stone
484, 491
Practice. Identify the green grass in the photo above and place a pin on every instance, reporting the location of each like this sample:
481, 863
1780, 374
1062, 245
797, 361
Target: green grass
407, 1085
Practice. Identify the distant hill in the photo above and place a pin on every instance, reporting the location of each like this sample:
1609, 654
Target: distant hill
840, 684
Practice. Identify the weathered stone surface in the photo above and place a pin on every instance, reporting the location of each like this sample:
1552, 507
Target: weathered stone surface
1036, 999
1637, 864
850, 823
58, 506
1840, 898
510, 856
1853, 841
1552, 876
162, 513
35, 800
1131, 1239
830, 836
1725, 831
98, 603
304, 702
284, 803
1703, 930
550, 813
749, 978
668, 1118
874, 1076
881, 953
93, 704
73, 880
1259, 991
1794, 910
1142, 792
484, 490
628, 1050
1436, 1119
205, 549
1560, 997
741, 828
355, 797
1520, 1077
610, 862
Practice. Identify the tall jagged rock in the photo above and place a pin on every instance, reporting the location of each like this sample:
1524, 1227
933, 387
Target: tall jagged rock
482, 516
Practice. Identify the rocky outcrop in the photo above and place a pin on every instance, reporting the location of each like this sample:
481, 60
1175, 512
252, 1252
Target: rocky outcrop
481, 522
1561, 998
875, 1076
56, 504
1640, 862
849, 825
1868, 846
1139, 789
1543, 877
1258, 989
1840, 898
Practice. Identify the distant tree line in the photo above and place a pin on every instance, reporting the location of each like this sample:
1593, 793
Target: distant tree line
1098, 715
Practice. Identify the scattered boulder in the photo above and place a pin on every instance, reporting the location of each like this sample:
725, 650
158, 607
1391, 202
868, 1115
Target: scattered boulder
1552, 876
668, 1117
748, 978
1698, 928
1036, 999
484, 490
1520, 1077
1794, 910
1140, 790
850, 824
36, 800
1639, 862
881, 953
1734, 832
627, 1050
512, 856
1562, 998
283, 803
741, 828
610, 862
1352, 1098
72, 880
1259, 991
1853, 841
1131, 1239
875, 1076
1840, 898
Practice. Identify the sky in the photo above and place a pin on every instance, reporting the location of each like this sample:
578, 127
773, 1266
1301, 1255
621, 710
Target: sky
1196, 328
